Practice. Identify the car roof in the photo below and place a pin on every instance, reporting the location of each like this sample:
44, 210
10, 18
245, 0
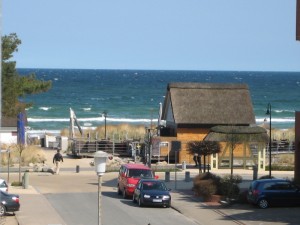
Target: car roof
136, 166
269, 180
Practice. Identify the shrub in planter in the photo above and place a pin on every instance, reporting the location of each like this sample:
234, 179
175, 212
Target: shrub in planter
229, 186
205, 189
206, 185
265, 177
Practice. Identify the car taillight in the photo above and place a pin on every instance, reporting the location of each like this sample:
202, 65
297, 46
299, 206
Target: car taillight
16, 199
255, 192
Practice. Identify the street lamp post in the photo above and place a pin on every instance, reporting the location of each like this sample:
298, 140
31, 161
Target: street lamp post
100, 167
149, 137
105, 115
269, 112
8, 151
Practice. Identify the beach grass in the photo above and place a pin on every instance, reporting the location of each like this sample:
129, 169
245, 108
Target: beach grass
30, 154
118, 132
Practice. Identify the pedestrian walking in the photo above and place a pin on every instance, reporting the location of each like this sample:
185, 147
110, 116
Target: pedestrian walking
199, 163
195, 158
57, 159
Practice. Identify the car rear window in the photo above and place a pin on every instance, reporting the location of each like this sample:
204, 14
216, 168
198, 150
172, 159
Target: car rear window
140, 173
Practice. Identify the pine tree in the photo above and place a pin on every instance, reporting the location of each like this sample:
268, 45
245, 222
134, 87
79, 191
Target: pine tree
15, 86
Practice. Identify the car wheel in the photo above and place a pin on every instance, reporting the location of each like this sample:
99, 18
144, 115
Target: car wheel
133, 199
119, 191
140, 203
2, 210
124, 194
263, 203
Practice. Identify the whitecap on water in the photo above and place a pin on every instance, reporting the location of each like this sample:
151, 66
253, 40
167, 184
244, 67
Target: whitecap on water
45, 108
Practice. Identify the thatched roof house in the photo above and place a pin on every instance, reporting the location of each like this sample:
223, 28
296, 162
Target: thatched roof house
207, 105
211, 111
8, 130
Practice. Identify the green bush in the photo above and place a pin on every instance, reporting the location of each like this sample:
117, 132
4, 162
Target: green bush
265, 177
208, 184
16, 183
229, 186
277, 167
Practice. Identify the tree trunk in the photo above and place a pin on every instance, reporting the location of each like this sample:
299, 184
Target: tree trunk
204, 161
20, 169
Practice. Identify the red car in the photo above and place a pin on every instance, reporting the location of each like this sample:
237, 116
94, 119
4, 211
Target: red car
129, 176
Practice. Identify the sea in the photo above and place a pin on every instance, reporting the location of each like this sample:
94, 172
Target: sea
134, 96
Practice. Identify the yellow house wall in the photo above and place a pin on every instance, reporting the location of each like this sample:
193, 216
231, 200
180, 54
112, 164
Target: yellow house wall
240, 150
185, 135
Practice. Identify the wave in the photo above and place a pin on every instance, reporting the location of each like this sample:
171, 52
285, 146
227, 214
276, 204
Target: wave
276, 120
284, 111
33, 133
95, 119
45, 108
89, 121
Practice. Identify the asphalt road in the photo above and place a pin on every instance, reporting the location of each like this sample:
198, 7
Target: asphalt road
75, 198
81, 209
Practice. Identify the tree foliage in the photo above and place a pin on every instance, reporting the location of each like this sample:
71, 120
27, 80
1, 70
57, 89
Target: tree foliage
204, 148
15, 86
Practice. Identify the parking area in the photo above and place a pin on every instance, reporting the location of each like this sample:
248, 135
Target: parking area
248, 214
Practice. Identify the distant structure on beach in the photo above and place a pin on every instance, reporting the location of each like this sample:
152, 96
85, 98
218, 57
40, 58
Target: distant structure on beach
8, 132
73, 122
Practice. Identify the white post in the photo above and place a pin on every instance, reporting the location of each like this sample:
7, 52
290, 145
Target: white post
99, 199
100, 166
113, 153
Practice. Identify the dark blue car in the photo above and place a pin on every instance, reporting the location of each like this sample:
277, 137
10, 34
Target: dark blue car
152, 192
8, 203
270, 192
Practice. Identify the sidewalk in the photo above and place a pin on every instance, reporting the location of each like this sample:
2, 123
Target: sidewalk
35, 209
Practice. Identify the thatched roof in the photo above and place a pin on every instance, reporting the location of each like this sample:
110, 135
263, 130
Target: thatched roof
208, 103
9, 121
238, 134
12, 121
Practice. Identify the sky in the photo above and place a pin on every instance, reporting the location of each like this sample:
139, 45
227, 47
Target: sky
239, 35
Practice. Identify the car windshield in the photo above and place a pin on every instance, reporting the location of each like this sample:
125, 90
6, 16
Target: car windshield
3, 184
140, 173
154, 186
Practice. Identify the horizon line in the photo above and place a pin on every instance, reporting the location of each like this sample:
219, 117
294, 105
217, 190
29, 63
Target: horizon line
191, 70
